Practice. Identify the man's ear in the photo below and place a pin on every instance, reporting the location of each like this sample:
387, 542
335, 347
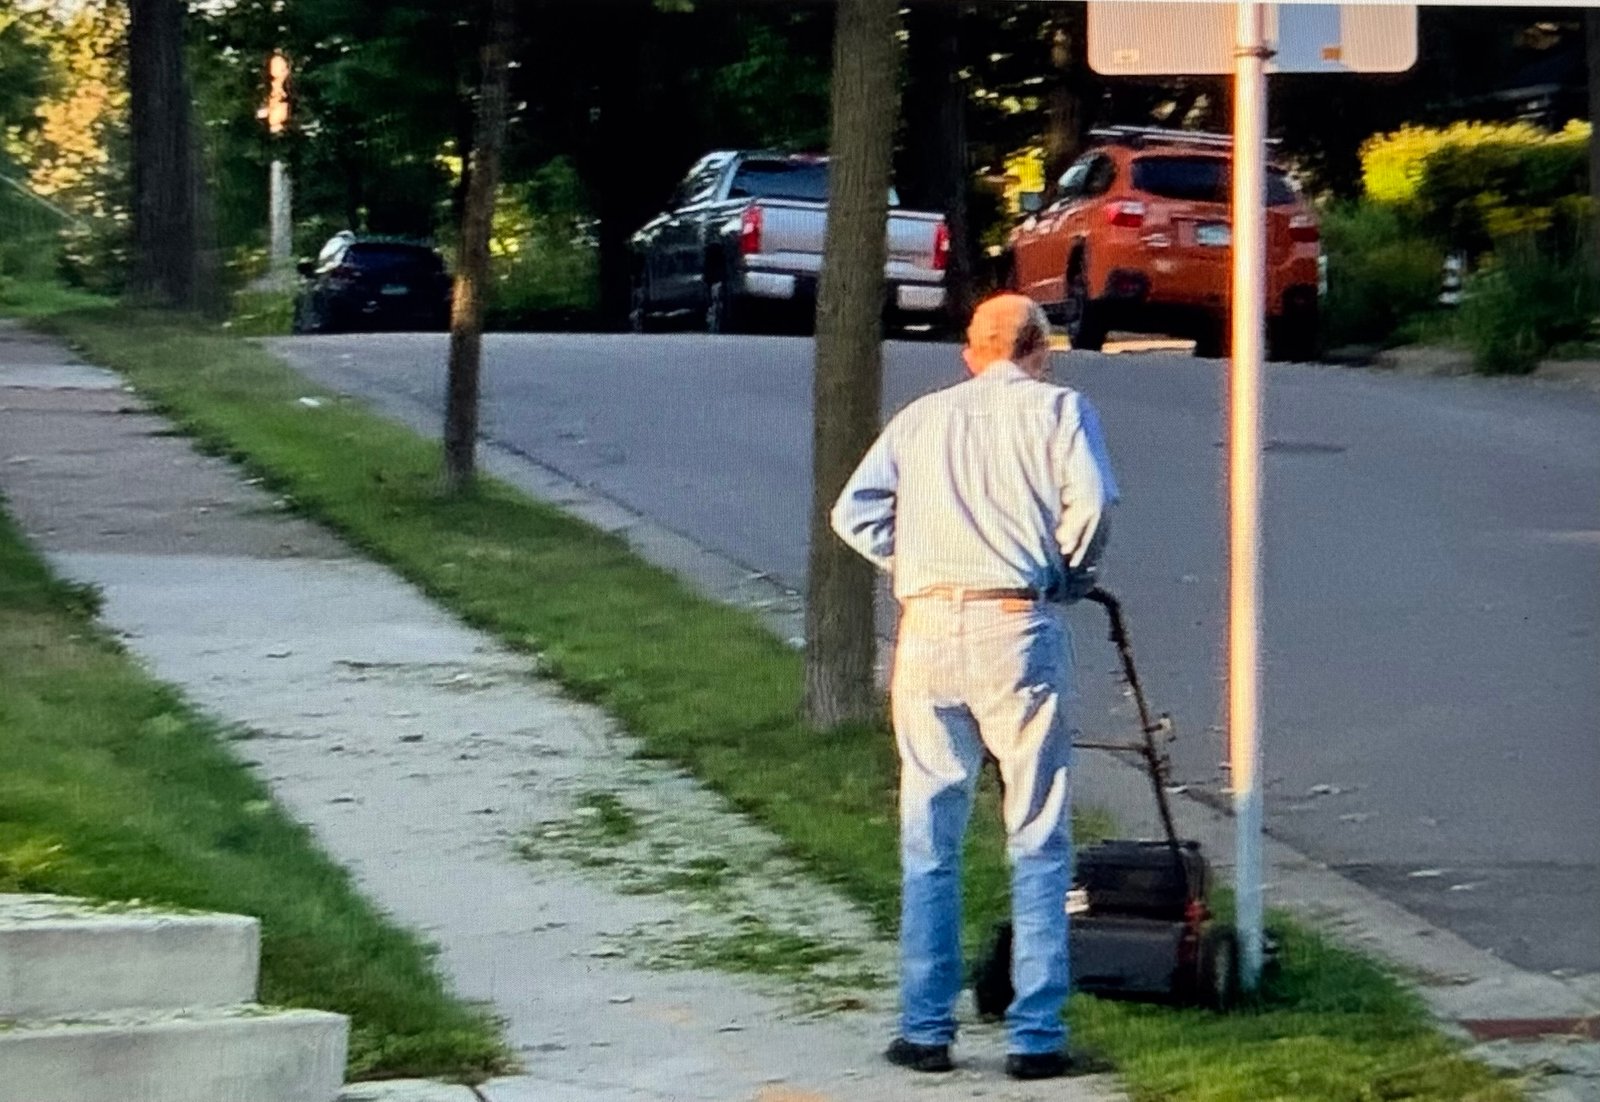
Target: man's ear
970, 358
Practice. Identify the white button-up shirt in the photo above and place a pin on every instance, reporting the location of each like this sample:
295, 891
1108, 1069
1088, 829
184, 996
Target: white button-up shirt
998, 482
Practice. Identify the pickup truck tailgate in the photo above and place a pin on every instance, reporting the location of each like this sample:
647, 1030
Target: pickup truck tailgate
792, 234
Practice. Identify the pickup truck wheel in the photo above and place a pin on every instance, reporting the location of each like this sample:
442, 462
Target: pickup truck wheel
721, 311
1086, 328
639, 318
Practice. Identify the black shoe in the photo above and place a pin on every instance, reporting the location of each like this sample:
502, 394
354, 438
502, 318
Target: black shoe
1052, 1066
1038, 1065
902, 1053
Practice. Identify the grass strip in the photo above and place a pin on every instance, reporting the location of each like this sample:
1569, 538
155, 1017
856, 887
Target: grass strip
707, 686
112, 787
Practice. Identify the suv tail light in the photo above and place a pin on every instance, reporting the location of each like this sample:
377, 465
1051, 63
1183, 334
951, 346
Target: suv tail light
1125, 213
750, 231
941, 247
1303, 228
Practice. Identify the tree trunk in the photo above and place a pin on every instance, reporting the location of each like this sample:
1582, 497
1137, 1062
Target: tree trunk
1591, 34
472, 265
1063, 133
936, 176
165, 169
847, 389
618, 148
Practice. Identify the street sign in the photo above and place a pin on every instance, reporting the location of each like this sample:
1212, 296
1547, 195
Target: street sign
1165, 39
1248, 40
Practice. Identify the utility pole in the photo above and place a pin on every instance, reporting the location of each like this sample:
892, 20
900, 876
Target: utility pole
280, 248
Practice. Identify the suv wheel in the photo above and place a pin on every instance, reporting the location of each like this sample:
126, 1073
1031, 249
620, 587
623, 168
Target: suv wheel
1005, 273
1215, 341
1294, 337
1083, 317
308, 317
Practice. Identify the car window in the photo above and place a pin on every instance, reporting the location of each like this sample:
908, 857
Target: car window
1102, 171
394, 261
1201, 180
702, 183
803, 180
1071, 184
772, 178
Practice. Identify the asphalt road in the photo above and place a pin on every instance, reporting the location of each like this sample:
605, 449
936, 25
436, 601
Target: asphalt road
1431, 565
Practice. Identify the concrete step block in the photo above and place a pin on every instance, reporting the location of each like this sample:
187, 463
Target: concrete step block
62, 957
239, 1054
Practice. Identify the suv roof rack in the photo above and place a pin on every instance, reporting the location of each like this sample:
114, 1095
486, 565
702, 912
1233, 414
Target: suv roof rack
1138, 136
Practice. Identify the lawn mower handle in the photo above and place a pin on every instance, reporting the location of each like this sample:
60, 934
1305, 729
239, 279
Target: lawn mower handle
1155, 760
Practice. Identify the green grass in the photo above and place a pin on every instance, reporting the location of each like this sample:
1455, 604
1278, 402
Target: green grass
111, 787
706, 686
27, 299
261, 314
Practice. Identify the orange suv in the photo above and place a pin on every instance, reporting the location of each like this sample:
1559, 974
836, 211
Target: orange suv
1139, 240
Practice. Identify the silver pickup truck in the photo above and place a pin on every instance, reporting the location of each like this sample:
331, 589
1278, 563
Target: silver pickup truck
742, 243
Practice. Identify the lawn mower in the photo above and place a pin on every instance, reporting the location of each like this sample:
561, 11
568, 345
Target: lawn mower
1140, 923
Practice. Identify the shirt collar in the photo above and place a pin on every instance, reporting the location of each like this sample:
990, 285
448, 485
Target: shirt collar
1003, 371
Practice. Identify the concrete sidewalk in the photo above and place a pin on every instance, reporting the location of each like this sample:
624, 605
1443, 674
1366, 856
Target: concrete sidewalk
466, 795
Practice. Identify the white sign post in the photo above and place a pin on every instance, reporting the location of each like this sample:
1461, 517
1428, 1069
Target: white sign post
1249, 40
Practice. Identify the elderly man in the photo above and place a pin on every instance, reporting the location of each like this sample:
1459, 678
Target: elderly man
987, 504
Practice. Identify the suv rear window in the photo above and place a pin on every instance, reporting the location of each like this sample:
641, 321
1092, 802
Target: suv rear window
394, 259
1201, 180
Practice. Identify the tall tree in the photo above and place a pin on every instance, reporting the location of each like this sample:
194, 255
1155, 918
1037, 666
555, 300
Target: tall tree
166, 224
936, 174
1064, 41
847, 389
472, 266
1591, 37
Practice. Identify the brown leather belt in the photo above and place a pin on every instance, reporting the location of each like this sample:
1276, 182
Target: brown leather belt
957, 593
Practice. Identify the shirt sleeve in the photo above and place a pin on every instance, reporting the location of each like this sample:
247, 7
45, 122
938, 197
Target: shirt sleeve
1088, 490
864, 514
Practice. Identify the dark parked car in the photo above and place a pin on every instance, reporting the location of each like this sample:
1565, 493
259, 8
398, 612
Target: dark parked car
372, 283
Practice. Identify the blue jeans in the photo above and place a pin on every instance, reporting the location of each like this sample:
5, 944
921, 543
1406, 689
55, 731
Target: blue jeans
969, 676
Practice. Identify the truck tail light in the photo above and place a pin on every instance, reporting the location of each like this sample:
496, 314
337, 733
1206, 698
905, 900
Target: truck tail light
750, 231
1125, 213
1303, 229
941, 247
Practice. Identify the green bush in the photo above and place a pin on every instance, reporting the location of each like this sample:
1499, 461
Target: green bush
546, 285
544, 266
1472, 183
1533, 297
1381, 273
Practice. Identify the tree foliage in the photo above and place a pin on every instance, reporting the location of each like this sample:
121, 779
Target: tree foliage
25, 70
627, 93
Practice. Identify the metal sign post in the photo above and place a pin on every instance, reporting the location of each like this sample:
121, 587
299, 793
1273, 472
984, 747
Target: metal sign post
1244, 474
1166, 38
